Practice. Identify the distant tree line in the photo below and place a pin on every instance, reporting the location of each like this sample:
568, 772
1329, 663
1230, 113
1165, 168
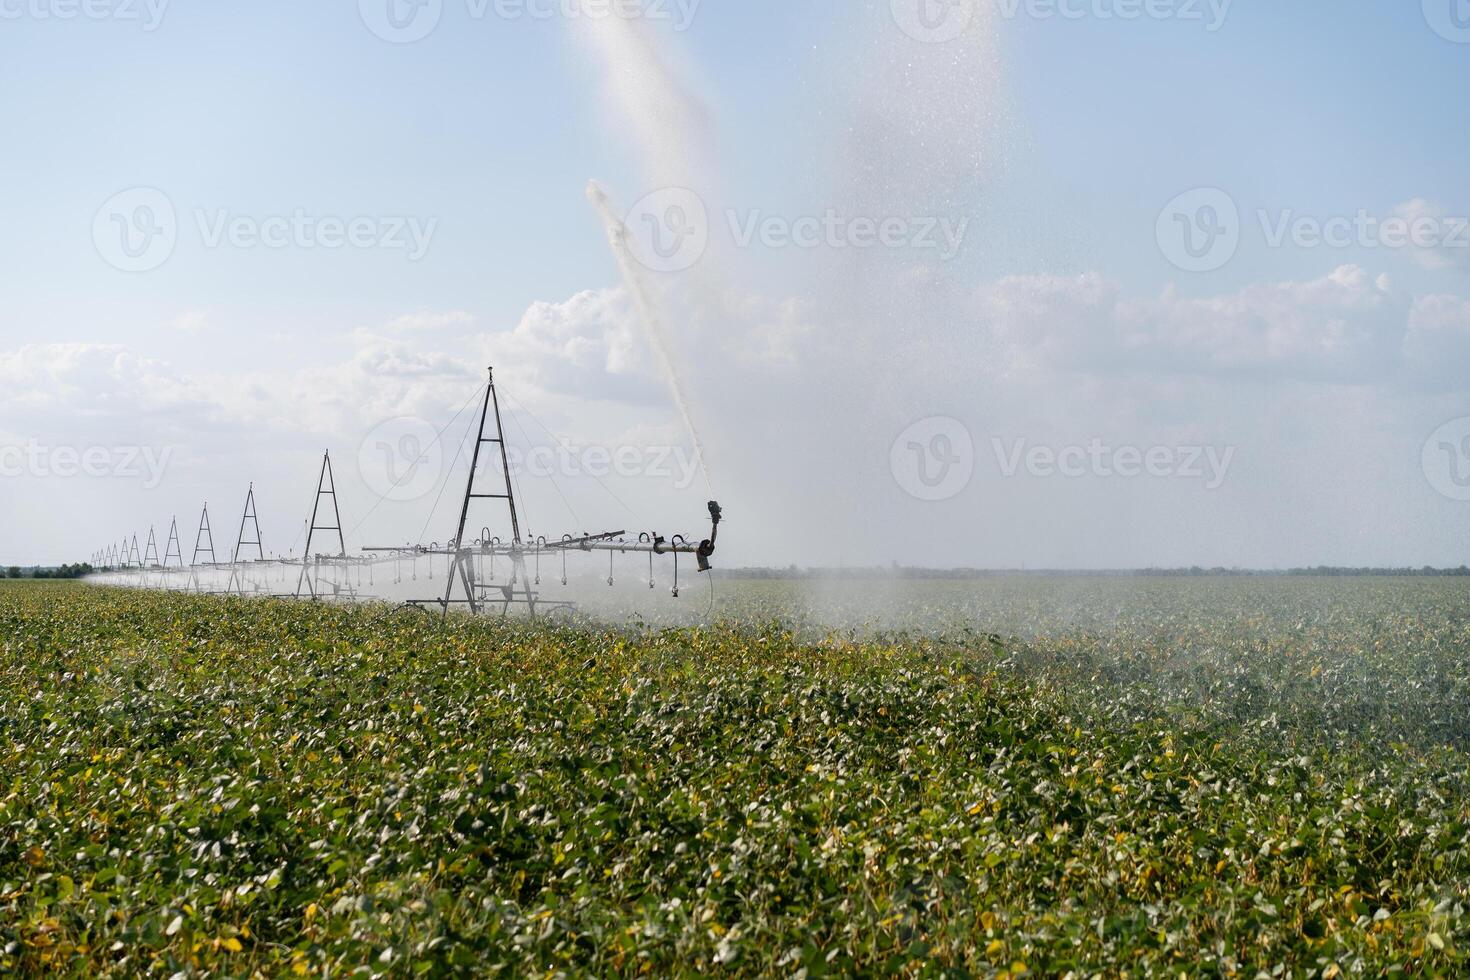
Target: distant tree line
1426, 570
876, 573
65, 571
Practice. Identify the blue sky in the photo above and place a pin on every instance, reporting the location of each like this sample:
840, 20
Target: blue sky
1062, 321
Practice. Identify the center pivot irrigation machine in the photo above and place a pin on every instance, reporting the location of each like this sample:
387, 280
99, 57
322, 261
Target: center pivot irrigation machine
329, 574
478, 594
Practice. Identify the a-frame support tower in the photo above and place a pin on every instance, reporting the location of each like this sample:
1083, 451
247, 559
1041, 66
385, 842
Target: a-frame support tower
237, 579
462, 571
326, 486
203, 543
173, 548
204, 539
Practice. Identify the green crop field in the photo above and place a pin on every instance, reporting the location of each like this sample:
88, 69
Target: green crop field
1115, 777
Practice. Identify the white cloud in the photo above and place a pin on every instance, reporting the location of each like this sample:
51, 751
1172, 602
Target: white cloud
48, 383
588, 347
383, 379
761, 335
190, 321
589, 350
1344, 327
786, 395
426, 321
1439, 241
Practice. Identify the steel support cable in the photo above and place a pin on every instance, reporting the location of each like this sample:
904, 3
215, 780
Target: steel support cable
558, 439
513, 478
292, 549
448, 474
576, 521
411, 467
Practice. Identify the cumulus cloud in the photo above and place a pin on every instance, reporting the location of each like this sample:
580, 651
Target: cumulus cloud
97, 381
589, 346
776, 335
381, 380
1438, 241
588, 350
190, 321
1345, 327
1074, 357
427, 321
45, 387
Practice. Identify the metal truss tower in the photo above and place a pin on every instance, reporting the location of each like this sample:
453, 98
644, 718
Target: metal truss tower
249, 518
326, 486
462, 571
173, 549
